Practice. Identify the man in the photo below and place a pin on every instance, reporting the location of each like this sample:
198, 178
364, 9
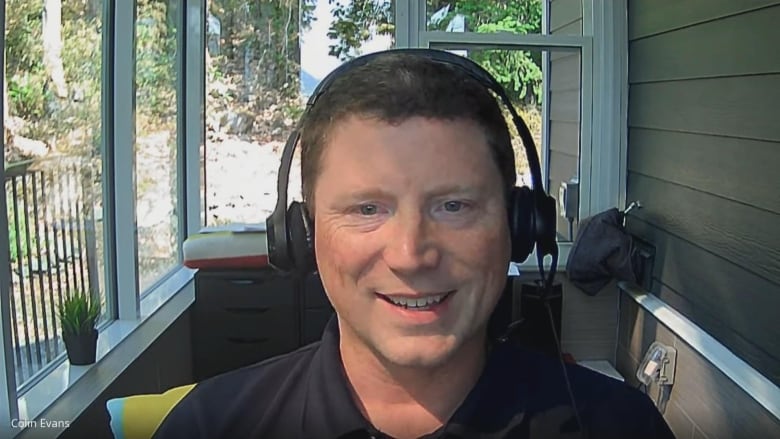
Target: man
407, 165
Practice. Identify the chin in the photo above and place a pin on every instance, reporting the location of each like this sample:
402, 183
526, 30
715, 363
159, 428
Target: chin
419, 351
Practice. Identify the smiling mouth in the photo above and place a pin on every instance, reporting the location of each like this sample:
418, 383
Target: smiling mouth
417, 303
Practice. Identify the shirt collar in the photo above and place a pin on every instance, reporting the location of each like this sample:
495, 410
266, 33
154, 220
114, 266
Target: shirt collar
331, 412
495, 404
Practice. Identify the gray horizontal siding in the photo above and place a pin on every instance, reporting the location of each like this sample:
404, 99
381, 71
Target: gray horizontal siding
731, 303
739, 106
704, 159
744, 171
704, 403
574, 28
565, 106
651, 17
563, 167
564, 13
565, 137
739, 233
729, 47
565, 74
565, 85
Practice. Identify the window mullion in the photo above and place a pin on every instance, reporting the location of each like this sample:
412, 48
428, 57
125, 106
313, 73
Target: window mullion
609, 77
191, 105
125, 227
406, 23
9, 406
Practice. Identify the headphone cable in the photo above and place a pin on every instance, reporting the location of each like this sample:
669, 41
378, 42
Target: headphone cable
547, 289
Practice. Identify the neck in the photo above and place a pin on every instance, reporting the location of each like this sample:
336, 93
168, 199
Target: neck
410, 401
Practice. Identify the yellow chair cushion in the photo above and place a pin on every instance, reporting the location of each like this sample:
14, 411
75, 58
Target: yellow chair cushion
139, 416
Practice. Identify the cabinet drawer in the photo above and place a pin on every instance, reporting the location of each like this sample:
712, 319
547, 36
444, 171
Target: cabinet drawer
240, 290
214, 355
314, 293
314, 321
226, 321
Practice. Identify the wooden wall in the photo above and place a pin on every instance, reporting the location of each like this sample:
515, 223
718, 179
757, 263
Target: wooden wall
704, 159
565, 88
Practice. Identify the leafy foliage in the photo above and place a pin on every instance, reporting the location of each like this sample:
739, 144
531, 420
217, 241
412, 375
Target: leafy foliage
519, 72
25, 72
20, 245
156, 60
71, 124
260, 40
355, 22
78, 314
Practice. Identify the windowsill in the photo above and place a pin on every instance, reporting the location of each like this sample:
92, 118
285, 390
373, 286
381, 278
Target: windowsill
66, 391
531, 264
719, 356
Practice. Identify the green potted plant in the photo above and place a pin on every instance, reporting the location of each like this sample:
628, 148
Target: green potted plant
78, 319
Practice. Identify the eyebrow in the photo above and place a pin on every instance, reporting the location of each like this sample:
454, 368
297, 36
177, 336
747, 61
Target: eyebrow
378, 193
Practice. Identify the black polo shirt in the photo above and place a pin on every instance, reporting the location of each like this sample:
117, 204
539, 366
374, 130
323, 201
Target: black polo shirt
304, 394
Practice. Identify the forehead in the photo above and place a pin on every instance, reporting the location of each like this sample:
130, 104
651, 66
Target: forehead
417, 150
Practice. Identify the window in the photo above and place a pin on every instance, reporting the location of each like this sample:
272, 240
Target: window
257, 83
53, 167
102, 160
547, 95
513, 16
536, 50
156, 140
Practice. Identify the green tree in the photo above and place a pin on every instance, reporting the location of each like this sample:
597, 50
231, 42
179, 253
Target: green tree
260, 39
356, 21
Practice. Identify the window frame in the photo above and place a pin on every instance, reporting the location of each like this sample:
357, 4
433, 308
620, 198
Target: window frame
602, 171
128, 309
604, 96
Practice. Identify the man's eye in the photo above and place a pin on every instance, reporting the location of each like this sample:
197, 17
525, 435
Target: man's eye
367, 209
453, 206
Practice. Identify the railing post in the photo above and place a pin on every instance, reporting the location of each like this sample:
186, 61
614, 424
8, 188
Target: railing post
90, 241
9, 407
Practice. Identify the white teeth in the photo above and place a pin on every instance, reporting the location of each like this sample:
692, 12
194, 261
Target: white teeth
417, 303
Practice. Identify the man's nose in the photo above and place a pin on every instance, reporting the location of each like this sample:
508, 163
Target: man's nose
411, 244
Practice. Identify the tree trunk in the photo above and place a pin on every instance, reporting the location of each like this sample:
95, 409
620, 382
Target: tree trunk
6, 112
52, 46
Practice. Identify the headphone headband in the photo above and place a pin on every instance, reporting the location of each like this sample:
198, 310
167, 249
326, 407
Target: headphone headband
471, 68
540, 227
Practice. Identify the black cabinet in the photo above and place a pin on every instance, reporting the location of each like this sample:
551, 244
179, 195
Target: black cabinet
316, 310
241, 317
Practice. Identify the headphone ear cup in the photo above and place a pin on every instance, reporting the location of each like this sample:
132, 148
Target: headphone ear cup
521, 223
300, 238
545, 227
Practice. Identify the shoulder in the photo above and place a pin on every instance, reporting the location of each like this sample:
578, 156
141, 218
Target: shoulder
274, 375
217, 407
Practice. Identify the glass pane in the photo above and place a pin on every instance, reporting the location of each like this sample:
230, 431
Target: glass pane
52, 159
564, 75
484, 16
530, 80
261, 66
157, 206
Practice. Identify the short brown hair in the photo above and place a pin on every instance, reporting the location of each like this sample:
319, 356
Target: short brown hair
394, 88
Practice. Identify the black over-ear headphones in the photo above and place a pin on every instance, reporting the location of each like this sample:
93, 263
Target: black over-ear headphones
531, 212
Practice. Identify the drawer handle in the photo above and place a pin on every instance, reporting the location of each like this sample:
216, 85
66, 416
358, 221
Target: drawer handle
246, 310
243, 281
247, 340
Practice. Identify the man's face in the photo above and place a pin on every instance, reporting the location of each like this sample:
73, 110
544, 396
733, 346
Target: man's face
411, 236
